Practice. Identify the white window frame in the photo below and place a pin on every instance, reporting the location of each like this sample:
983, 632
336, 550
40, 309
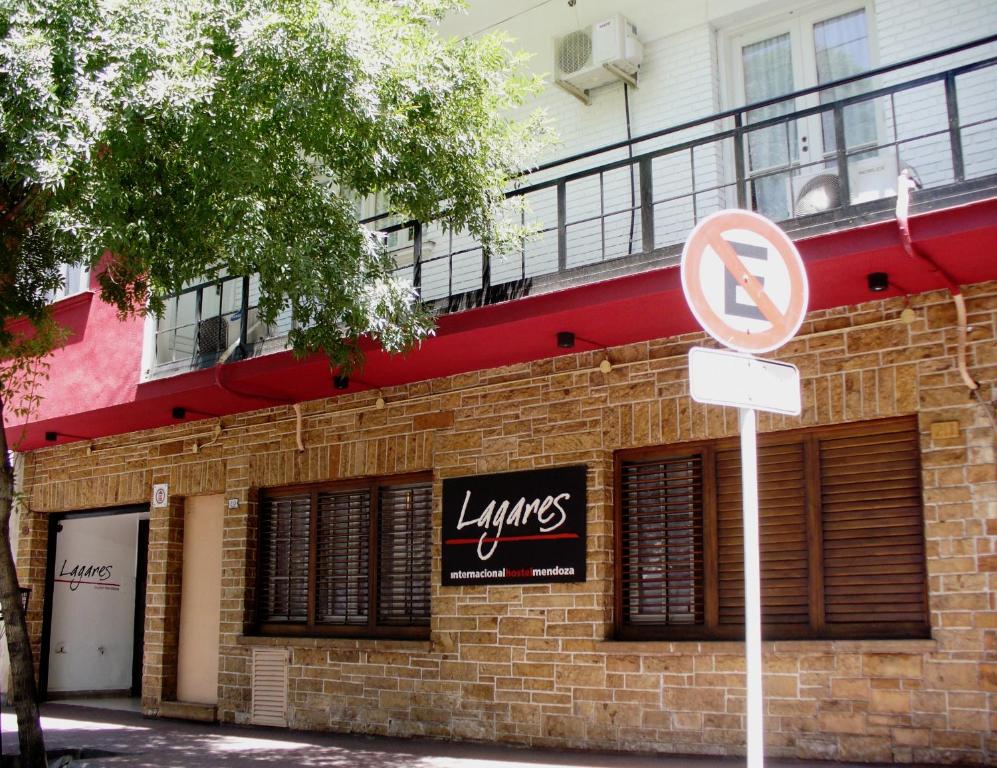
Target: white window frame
84, 287
804, 57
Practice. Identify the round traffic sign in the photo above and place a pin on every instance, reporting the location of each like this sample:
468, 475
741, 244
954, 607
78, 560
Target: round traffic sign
744, 281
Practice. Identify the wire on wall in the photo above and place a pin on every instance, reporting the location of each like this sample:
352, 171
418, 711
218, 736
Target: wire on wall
630, 154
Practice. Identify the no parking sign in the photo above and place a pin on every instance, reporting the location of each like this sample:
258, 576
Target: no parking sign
744, 281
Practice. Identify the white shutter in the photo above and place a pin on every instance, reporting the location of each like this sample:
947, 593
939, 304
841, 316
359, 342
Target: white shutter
270, 687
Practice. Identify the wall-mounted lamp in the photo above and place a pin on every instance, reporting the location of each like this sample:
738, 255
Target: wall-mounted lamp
877, 281
51, 437
179, 412
605, 366
565, 339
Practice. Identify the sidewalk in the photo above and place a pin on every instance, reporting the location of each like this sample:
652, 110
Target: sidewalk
148, 743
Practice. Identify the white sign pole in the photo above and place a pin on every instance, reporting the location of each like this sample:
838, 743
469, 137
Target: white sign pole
752, 588
720, 259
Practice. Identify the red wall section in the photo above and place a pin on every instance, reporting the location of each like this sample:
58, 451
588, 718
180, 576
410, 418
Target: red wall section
95, 388
99, 365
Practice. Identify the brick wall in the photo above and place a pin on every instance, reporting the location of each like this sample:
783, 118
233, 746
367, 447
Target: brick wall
535, 664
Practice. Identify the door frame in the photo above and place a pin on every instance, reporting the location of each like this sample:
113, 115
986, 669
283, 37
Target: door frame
138, 621
772, 24
798, 23
54, 521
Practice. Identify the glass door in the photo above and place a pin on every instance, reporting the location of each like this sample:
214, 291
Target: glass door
841, 49
781, 57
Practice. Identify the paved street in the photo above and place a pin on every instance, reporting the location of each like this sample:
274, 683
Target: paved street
146, 743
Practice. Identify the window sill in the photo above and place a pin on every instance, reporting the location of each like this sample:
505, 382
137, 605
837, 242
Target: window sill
774, 647
68, 302
339, 643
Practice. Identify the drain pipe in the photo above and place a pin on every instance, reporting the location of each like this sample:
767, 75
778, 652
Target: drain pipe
904, 186
256, 395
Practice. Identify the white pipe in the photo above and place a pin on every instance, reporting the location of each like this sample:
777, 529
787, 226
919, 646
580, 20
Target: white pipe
297, 426
752, 590
905, 184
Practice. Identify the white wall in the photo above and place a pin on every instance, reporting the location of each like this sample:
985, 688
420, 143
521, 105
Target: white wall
93, 611
908, 28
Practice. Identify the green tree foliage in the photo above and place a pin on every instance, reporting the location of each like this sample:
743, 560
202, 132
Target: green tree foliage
184, 139
162, 141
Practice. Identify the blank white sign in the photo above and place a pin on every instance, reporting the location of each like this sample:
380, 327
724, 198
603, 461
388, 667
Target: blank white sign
721, 377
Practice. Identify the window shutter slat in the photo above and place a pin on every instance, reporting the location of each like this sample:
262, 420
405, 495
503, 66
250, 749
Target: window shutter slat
405, 543
342, 557
782, 534
873, 527
284, 536
662, 546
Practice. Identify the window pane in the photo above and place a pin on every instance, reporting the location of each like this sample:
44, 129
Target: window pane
841, 46
662, 546
768, 72
405, 539
343, 556
284, 541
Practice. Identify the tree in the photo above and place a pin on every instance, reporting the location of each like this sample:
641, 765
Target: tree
159, 141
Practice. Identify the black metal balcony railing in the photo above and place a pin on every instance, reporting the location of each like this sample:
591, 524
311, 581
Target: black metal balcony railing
942, 125
629, 205
209, 320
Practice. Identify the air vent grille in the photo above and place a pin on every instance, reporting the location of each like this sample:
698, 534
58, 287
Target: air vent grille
269, 687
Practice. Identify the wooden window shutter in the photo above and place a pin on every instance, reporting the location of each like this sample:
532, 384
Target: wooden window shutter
405, 541
284, 541
873, 530
782, 535
342, 556
661, 549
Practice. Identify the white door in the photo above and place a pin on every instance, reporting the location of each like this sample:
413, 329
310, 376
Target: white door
799, 51
94, 577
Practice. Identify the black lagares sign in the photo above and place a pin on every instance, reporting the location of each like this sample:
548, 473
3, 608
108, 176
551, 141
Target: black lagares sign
515, 527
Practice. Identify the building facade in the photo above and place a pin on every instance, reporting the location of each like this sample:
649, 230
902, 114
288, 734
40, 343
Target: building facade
526, 531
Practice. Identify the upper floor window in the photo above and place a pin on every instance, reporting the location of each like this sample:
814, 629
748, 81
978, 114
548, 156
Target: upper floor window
841, 528
346, 558
207, 319
75, 279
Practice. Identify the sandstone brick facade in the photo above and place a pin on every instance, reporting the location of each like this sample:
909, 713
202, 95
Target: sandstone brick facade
537, 664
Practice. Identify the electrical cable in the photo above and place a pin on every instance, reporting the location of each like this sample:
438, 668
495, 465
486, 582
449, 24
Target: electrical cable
630, 154
508, 18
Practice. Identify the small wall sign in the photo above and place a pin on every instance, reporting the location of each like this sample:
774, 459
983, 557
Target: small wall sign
514, 527
160, 495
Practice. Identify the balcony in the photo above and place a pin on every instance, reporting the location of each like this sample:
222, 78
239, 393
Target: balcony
816, 160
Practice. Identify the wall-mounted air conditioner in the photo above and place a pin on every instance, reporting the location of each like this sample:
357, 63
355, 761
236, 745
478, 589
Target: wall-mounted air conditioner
872, 178
604, 53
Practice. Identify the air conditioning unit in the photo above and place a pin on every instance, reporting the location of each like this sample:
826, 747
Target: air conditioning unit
604, 53
212, 335
870, 179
